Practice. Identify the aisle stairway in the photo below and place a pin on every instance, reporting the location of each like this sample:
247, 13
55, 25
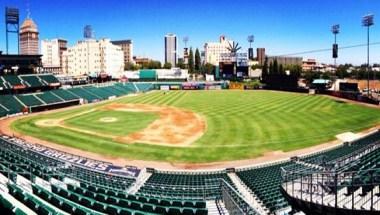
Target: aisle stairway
248, 195
140, 181
213, 208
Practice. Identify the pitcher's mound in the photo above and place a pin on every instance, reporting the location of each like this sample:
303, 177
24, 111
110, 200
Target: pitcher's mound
174, 127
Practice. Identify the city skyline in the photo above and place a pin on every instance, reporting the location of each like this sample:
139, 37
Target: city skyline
281, 29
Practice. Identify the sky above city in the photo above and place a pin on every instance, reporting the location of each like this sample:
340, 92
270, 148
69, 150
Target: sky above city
281, 26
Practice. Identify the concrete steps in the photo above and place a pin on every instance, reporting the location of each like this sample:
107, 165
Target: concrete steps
248, 195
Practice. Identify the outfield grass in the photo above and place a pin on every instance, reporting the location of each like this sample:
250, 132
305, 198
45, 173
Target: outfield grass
240, 125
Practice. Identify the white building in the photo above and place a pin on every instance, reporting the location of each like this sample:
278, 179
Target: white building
52, 51
171, 49
127, 47
93, 57
213, 50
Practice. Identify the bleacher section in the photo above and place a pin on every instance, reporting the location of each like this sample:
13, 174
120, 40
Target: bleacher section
184, 186
49, 80
13, 82
144, 87
29, 100
29, 82
65, 95
32, 81
97, 193
10, 104
266, 181
49, 98
164, 192
10, 205
84, 94
3, 85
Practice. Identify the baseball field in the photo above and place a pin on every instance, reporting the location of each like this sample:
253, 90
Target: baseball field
199, 126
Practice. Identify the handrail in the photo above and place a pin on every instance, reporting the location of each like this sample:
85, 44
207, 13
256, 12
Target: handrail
225, 189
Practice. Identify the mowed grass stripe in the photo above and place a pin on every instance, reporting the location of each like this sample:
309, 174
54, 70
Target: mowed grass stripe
173, 98
240, 125
148, 98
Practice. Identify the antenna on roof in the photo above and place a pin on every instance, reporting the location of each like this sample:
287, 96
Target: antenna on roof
28, 9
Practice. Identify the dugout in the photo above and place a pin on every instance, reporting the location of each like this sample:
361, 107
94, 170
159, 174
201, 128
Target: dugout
54, 106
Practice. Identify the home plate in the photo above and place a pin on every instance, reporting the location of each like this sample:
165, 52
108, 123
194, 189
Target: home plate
347, 137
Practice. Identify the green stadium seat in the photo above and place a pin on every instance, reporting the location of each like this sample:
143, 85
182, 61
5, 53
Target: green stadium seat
32, 81
49, 79
29, 100
13, 81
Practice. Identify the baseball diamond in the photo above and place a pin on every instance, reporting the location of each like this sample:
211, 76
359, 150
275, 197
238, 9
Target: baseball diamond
200, 126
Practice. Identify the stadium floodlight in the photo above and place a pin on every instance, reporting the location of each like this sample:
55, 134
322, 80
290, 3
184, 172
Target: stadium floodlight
335, 29
368, 21
185, 40
251, 39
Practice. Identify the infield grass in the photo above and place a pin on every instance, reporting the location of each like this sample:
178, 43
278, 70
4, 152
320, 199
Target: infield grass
240, 124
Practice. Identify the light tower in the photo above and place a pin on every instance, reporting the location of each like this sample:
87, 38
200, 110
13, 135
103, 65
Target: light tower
12, 25
185, 51
367, 21
335, 29
88, 33
250, 39
185, 40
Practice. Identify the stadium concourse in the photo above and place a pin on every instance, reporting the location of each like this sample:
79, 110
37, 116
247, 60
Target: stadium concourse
36, 179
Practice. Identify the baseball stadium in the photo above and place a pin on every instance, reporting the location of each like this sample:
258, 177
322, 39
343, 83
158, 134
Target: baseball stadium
93, 128
133, 148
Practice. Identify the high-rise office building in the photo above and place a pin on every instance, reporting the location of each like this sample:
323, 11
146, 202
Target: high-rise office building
171, 49
127, 47
260, 55
29, 38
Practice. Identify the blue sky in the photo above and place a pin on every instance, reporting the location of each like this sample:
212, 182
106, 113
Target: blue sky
281, 26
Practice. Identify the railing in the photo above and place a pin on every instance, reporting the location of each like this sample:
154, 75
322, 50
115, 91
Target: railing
345, 190
234, 202
347, 159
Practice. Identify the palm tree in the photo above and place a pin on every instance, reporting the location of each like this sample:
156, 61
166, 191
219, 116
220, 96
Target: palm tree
233, 48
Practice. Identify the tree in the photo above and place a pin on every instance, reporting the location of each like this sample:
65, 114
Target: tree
191, 61
208, 68
167, 65
181, 64
264, 73
130, 66
256, 67
342, 71
271, 68
275, 67
295, 70
197, 65
152, 65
